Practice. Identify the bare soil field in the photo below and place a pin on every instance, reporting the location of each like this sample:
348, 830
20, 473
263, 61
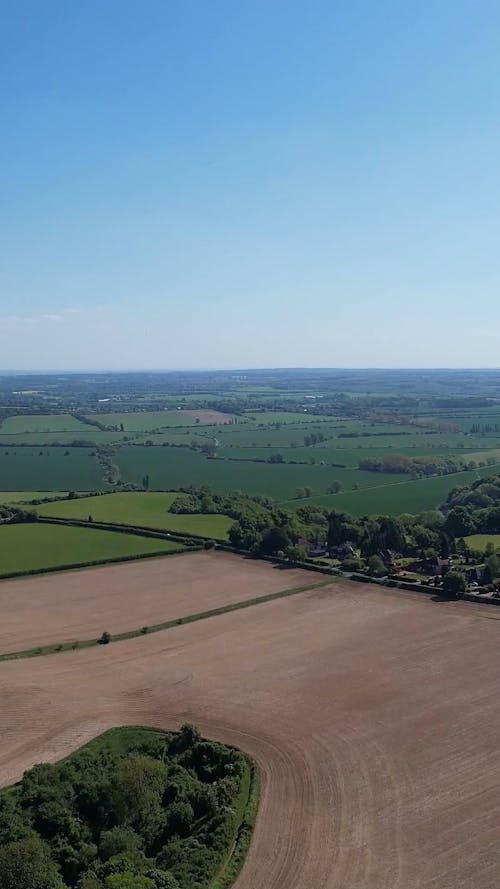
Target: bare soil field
373, 716
209, 417
77, 605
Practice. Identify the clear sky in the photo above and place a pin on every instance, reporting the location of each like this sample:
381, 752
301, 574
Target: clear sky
249, 183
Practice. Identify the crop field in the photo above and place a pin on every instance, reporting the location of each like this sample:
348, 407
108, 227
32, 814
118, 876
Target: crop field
147, 421
149, 510
173, 467
394, 497
84, 434
481, 541
20, 497
47, 469
31, 547
80, 605
268, 418
42, 423
349, 456
378, 771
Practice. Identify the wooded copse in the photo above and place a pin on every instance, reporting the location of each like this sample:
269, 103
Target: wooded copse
135, 809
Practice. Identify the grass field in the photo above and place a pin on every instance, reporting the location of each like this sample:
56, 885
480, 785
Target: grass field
34, 546
20, 497
175, 467
50, 469
145, 421
148, 510
480, 541
42, 423
84, 433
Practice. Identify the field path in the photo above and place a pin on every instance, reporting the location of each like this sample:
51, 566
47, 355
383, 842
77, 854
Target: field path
373, 716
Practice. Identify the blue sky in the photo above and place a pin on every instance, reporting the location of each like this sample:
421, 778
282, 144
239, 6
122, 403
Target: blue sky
253, 184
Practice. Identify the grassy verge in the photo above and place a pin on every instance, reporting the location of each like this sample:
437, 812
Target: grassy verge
248, 804
56, 648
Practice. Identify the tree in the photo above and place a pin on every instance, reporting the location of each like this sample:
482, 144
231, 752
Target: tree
128, 881
27, 865
454, 584
274, 541
145, 482
459, 522
491, 569
376, 566
118, 840
162, 879
140, 783
296, 554
334, 488
444, 546
334, 534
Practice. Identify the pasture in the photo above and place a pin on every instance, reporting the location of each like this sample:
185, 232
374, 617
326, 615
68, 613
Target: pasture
24, 497
372, 715
31, 547
149, 510
49, 469
481, 541
51, 423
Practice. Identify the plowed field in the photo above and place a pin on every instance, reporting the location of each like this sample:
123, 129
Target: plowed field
373, 714
78, 605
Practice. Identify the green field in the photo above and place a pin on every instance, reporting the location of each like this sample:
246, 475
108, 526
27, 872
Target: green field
35, 546
480, 541
42, 423
267, 418
21, 497
85, 433
395, 498
147, 510
49, 469
176, 467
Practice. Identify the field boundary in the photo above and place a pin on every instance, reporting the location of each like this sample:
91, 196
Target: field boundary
141, 530
57, 648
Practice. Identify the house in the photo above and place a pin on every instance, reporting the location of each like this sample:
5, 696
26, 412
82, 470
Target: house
343, 551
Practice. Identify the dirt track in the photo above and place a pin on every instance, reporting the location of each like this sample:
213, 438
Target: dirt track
73, 605
373, 715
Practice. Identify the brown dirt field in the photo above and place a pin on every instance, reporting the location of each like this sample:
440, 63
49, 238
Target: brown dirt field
209, 417
77, 605
373, 715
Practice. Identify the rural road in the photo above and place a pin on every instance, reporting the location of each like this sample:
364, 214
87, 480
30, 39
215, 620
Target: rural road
373, 716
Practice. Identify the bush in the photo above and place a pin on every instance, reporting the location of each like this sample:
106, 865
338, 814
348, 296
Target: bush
105, 638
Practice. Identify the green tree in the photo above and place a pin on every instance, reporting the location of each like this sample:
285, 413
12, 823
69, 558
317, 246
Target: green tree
454, 584
27, 864
376, 566
459, 522
128, 881
162, 879
140, 783
274, 541
296, 554
118, 840
334, 534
